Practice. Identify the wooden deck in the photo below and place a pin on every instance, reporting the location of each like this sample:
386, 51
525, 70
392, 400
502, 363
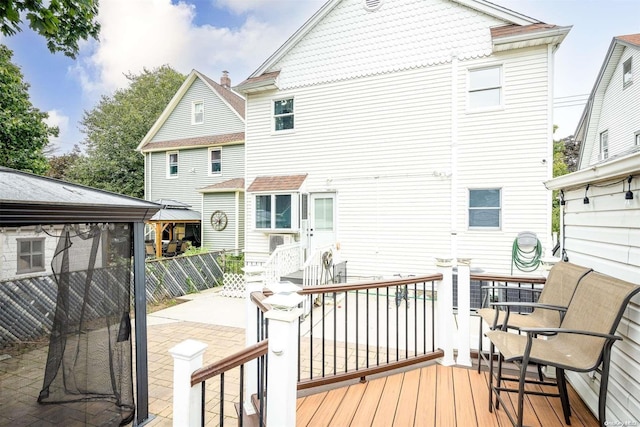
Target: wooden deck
430, 396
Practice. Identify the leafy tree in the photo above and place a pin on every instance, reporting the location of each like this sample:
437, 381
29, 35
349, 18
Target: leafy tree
571, 152
62, 22
23, 132
115, 127
559, 168
59, 166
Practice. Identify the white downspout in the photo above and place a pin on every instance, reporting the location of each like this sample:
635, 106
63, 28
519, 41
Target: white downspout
550, 71
454, 154
237, 222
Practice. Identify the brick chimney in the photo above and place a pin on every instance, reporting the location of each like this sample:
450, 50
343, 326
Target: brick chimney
225, 81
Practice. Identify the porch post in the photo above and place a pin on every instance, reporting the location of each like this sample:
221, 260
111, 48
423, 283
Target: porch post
464, 311
446, 325
253, 282
187, 357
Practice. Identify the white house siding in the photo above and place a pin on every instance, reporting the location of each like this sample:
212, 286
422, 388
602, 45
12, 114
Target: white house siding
184, 187
617, 112
605, 235
227, 238
506, 149
383, 144
219, 119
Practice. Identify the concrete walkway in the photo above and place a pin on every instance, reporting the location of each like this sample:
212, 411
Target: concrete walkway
210, 318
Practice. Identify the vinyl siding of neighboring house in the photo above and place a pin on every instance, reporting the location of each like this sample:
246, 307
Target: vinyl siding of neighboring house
218, 118
9, 252
232, 237
384, 142
605, 233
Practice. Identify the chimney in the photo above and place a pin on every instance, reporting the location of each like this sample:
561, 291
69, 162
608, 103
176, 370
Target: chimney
225, 81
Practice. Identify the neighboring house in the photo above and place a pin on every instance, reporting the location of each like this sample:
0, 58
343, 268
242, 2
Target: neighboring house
26, 251
401, 131
604, 233
194, 155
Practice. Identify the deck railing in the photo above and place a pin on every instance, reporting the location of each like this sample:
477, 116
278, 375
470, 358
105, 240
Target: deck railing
285, 259
508, 288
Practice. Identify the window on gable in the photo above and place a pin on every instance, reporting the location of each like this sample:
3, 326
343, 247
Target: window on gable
198, 113
604, 145
30, 255
215, 161
485, 87
283, 114
172, 164
485, 207
627, 75
274, 211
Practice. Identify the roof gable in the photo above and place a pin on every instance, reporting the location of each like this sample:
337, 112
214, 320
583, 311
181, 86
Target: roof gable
234, 102
323, 39
592, 111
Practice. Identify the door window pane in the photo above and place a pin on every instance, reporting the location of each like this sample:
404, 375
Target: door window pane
323, 214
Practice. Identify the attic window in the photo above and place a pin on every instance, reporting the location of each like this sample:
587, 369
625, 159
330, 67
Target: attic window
627, 76
198, 113
371, 5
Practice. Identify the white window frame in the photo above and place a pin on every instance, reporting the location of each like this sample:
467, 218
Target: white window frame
604, 145
210, 161
31, 268
636, 138
498, 208
500, 87
194, 120
169, 164
274, 116
627, 77
294, 215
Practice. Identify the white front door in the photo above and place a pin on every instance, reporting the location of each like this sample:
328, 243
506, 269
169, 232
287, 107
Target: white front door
322, 220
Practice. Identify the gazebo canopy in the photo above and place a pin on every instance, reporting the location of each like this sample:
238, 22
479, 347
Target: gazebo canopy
28, 199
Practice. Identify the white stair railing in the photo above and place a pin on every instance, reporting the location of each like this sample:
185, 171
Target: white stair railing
285, 259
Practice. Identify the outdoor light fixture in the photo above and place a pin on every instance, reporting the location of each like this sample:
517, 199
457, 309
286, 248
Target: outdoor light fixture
562, 202
628, 196
586, 199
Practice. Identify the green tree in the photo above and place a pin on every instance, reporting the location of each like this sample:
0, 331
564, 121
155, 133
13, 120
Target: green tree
559, 168
115, 127
23, 132
59, 166
61, 22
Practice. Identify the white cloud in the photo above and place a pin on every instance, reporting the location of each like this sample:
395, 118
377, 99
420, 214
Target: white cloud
57, 119
151, 33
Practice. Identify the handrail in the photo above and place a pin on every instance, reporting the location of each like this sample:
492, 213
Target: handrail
369, 285
257, 298
230, 362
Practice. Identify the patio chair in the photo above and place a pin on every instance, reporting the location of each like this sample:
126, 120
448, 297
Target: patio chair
582, 343
557, 292
150, 250
172, 249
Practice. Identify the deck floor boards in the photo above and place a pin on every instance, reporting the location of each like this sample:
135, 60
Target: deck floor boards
433, 395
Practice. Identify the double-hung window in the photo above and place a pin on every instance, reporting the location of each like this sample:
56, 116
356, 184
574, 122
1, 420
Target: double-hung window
283, 114
485, 88
627, 75
274, 211
30, 255
215, 161
172, 164
604, 145
198, 113
485, 206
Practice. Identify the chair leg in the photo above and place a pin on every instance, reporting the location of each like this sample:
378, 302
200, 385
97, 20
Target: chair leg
521, 384
499, 378
604, 384
564, 396
480, 346
491, 347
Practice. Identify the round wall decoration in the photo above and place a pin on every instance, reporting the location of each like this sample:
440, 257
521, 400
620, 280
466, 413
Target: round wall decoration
219, 220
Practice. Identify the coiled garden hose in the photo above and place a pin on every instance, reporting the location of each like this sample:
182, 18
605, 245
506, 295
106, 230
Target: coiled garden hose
526, 260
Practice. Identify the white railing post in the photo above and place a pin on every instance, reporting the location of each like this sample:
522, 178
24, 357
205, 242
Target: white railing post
187, 400
253, 282
446, 325
464, 311
282, 373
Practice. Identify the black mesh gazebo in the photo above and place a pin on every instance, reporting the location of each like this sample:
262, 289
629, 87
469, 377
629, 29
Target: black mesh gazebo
76, 313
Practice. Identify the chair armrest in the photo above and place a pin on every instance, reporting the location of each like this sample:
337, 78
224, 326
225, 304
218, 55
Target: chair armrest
508, 305
536, 331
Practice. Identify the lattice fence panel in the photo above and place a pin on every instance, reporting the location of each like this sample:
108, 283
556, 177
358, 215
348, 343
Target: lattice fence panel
233, 285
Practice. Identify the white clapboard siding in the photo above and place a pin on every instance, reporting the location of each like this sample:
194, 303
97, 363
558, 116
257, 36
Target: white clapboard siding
227, 238
605, 235
219, 119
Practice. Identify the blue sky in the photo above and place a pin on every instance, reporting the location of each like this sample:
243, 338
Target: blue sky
238, 35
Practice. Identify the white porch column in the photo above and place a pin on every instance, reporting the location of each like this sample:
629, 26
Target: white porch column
253, 282
464, 311
446, 325
282, 375
187, 357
